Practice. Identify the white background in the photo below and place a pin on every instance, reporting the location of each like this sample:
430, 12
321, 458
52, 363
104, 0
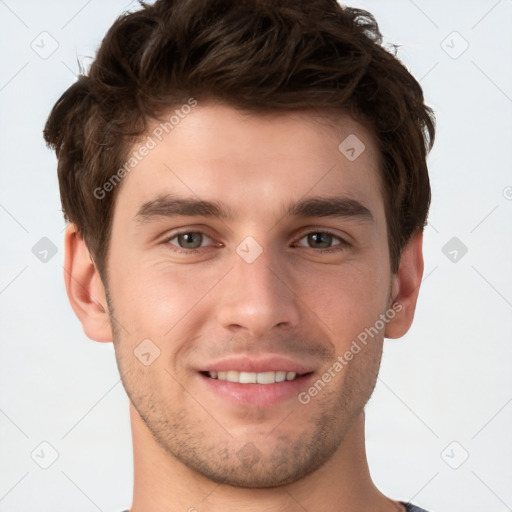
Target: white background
447, 380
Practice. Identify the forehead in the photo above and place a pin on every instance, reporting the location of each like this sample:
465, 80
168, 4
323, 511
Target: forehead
254, 162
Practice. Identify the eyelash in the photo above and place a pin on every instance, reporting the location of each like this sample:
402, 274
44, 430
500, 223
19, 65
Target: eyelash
336, 248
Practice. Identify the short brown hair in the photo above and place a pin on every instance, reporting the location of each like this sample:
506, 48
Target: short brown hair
253, 55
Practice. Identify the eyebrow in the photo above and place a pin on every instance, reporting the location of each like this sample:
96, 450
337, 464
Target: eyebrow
169, 205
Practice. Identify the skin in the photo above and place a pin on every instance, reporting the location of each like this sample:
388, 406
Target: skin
293, 300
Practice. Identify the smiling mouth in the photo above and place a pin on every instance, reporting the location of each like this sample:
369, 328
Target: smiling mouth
270, 377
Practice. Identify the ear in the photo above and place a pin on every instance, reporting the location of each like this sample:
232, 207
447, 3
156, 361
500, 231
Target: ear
85, 290
405, 287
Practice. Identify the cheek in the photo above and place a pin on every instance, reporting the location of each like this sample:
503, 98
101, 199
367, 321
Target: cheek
346, 299
157, 295
153, 296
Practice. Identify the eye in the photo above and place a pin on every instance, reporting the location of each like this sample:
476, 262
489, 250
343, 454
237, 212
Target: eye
190, 240
322, 240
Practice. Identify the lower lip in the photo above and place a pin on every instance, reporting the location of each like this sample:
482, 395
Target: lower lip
258, 395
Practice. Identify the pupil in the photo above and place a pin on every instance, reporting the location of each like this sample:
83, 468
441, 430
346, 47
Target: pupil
316, 239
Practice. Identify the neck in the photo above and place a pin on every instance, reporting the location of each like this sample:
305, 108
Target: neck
343, 484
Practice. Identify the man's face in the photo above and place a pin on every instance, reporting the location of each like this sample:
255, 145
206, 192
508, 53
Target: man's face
262, 289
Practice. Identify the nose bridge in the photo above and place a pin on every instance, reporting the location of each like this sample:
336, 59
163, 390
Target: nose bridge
256, 294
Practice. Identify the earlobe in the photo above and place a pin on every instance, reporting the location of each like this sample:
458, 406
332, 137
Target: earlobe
406, 287
85, 290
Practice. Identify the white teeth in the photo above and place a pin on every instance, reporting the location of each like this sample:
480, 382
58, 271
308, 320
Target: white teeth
266, 377
247, 378
252, 377
280, 376
233, 376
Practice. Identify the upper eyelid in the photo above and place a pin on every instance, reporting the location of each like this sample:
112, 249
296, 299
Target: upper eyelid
183, 231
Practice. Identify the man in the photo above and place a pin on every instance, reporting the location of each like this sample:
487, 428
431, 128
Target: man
246, 190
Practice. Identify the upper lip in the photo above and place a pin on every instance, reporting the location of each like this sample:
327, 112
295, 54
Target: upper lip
257, 365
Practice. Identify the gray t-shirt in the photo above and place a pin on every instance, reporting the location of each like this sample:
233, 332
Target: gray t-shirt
412, 508
408, 506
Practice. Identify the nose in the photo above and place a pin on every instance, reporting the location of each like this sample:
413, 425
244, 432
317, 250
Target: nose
257, 297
